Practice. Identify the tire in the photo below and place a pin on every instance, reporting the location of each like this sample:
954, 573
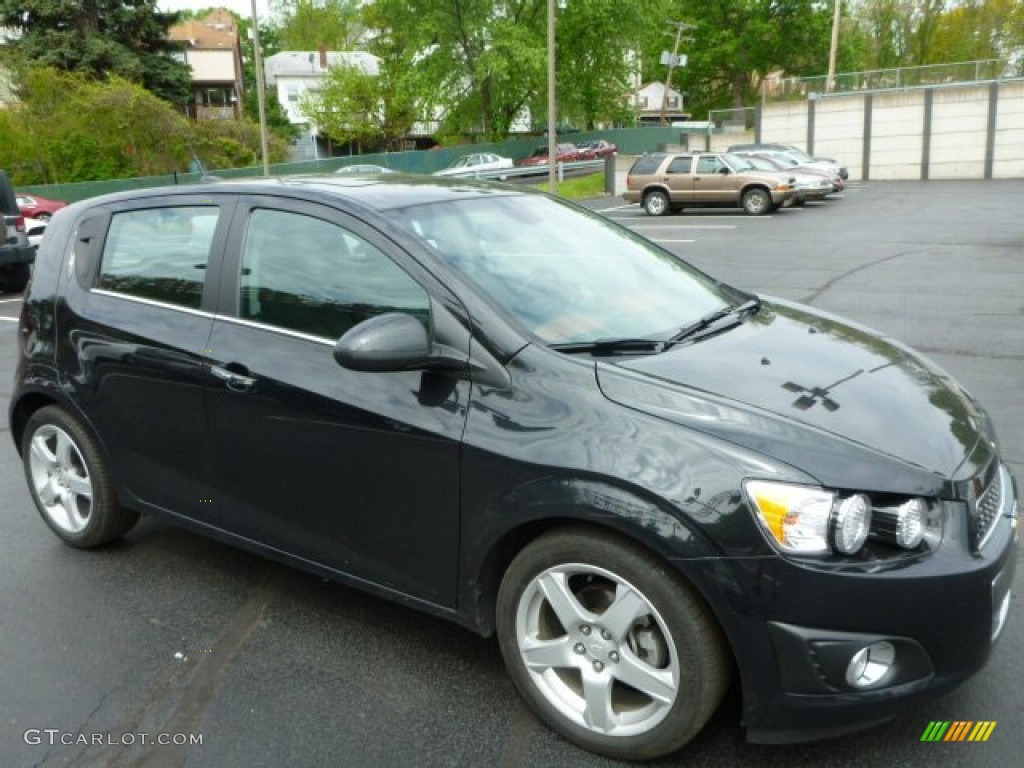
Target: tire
757, 201
656, 203
14, 278
69, 480
622, 614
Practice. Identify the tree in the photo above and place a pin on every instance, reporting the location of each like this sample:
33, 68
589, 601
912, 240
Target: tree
270, 43
99, 38
738, 42
309, 25
354, 106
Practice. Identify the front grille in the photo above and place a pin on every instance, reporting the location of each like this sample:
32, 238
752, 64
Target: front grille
987, 509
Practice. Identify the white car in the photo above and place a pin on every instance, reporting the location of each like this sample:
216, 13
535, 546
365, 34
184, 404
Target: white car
477, 164
35, 229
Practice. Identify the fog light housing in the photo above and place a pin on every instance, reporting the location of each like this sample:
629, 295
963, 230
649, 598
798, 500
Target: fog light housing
870, 665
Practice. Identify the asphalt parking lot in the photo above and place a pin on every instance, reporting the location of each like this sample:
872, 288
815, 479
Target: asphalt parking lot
168, 633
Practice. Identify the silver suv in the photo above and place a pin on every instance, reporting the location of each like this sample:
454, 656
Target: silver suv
664, 183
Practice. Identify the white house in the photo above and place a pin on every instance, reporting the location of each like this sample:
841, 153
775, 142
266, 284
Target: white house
648, 100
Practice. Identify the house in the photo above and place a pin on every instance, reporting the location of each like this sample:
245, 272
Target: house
649, 99
211, 47
290, 74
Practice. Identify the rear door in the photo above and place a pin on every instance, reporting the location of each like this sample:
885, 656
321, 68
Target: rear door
355, 471
679, 180
134, 331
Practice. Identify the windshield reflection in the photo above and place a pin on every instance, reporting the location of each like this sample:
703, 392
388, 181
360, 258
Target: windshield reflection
567, 276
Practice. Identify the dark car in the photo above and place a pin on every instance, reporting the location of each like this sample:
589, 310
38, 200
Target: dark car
510, 412
16, 252
564, 153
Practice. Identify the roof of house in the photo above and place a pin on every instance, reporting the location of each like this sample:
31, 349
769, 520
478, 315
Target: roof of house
216, 29
309, 63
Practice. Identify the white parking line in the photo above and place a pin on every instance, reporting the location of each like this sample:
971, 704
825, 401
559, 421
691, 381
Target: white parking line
683, 226
8, 301
9, 319
696, 216
659, 240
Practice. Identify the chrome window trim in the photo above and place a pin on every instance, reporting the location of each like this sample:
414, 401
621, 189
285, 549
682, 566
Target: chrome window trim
326, 341
151, 302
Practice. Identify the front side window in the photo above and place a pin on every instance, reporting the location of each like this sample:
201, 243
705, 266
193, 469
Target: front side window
709, 164
308, 275
159, 253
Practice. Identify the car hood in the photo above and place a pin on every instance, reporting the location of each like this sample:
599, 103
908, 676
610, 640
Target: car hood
835, 400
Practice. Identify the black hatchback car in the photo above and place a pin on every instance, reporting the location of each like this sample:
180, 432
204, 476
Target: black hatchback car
510, 412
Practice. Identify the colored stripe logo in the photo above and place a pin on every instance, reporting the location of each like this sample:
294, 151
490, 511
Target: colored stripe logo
958, 730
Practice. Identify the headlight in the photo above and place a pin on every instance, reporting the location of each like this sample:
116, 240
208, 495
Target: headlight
806, 520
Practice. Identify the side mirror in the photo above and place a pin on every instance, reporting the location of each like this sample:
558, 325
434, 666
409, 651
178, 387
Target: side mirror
389, 342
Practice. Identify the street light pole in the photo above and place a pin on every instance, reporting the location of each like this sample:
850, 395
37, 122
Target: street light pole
552, 104
260, 89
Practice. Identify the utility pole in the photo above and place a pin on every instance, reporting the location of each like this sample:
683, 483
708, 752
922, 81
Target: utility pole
832, 50
680, 26
260, 89
552, 104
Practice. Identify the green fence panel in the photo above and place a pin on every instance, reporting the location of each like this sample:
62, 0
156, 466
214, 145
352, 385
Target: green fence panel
630, 141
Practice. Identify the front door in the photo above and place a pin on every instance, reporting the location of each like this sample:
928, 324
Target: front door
355, 471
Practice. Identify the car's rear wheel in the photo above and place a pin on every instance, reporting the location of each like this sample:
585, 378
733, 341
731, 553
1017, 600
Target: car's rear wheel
656, 203
608, 645
69, 480
757, 201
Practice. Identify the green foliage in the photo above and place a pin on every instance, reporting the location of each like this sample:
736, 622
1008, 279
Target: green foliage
99, 38
308, 25
270, 43
71, 128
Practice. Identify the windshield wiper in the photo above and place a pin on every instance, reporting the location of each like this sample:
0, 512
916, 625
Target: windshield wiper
687, 333
610, 346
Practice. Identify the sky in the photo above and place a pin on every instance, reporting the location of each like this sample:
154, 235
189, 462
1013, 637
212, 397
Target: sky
241, 7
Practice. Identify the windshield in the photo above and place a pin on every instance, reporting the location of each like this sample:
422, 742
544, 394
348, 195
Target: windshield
737, 163
565, 275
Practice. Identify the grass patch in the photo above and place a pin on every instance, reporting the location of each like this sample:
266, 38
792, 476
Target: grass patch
578, 188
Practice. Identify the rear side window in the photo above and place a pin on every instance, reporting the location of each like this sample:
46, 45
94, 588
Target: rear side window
311, 276
680, 165
159, 253
646, 164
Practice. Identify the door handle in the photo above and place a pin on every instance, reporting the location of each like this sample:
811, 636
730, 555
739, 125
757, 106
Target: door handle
235, 381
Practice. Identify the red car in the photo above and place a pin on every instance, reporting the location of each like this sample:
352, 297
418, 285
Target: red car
36, 207
598, 148
565, 153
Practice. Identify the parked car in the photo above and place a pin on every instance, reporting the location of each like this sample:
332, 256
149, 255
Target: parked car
363, 169
510, 412
34, 231
806, 186
564, 153
38, 207
476, 163
598, 148
664, 183
16, 253
783, 161
800, 155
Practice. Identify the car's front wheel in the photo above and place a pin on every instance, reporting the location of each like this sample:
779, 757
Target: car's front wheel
757, 201
656, 203
608, 645
69, 480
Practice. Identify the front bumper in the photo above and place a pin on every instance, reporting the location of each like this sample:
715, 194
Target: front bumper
940, 614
